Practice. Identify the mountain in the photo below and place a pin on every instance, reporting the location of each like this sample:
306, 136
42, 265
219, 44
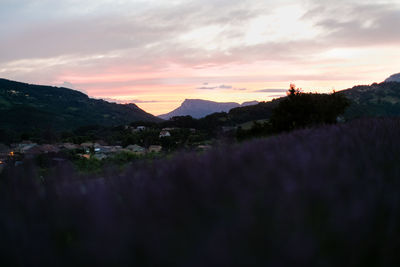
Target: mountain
25, 107
394, 78
198, 108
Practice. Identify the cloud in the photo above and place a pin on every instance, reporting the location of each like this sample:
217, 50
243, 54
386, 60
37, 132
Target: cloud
207, 87
72, 86
136, 101
356, 23
271, 91
146, 101
276, 96
222, 86
135, 47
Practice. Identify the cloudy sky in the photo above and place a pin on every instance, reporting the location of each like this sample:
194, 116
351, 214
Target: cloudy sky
156, 53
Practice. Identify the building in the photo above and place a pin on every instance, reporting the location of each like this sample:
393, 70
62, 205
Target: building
164, 133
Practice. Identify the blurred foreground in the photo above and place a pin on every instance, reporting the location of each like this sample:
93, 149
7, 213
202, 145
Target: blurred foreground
327, 196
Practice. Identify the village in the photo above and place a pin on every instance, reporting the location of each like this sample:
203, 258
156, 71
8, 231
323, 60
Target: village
16, 153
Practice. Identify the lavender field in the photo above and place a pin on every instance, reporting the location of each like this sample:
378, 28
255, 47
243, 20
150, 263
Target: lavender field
328, 196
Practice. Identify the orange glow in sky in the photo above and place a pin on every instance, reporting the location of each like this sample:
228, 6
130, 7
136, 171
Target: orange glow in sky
158, 53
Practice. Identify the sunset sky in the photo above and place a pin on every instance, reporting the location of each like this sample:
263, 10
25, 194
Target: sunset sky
156, 53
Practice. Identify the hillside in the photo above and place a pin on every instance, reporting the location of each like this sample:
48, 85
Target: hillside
262, 110
376, 100
25, 107
198, 108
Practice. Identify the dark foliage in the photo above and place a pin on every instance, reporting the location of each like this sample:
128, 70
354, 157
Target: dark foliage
316, 197
262, 110
375, 100
300, 110
257, 130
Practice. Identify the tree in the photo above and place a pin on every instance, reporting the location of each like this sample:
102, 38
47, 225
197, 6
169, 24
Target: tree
293, 90
300, 110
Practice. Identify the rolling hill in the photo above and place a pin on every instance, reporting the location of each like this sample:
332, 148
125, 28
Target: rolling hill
375, 100
25, 107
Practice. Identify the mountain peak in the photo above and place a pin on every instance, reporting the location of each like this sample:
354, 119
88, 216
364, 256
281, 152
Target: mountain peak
198, 108
393, 78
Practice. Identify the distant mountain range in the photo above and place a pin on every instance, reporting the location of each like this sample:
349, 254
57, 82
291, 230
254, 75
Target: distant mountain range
198, 108
26, 107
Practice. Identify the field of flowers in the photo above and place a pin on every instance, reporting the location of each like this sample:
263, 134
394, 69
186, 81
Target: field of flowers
328, 196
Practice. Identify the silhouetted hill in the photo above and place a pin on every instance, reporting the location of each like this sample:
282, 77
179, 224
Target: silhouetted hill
198, 108
376, 100
25, 106
262, 110
394, 78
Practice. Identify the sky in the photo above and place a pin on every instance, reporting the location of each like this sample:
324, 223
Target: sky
156, 53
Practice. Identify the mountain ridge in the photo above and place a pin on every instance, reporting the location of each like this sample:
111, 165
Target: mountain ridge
26, 106
199, 108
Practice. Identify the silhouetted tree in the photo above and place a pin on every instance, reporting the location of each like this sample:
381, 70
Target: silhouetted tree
300, 110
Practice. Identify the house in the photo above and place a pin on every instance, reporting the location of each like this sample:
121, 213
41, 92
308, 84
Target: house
136, 149
164, 133
140, 128
104, 149
155, 149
